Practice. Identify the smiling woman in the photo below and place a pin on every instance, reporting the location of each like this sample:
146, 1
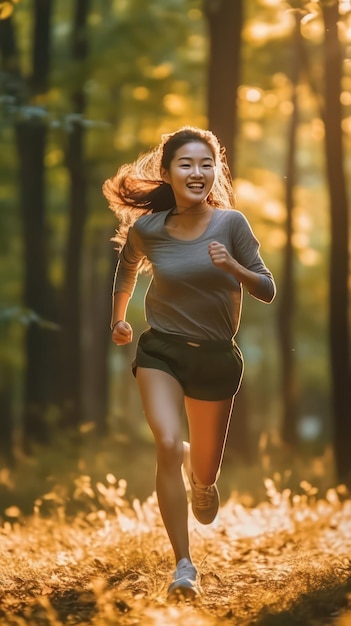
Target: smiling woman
177, 217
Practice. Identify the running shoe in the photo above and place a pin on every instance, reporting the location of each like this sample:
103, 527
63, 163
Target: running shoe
204, 498
183, 586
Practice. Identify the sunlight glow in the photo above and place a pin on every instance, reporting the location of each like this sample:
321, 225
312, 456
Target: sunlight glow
270, 100
300, 240
309, 257
249, 193
175, 104
12, 511
317, 129
147, 134
275, 239
54, 157
6, 10
124, 140
274, 210
345, 98
302, 220
344, 29
346, 79
312, 27
259, 33
197, 48
279, 79
346, 125
141, 93
344, 6
160, 71
253, 95
286, 107
252, 131
270, 3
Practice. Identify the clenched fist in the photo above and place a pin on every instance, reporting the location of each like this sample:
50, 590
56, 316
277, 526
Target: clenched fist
122, 333
220, 256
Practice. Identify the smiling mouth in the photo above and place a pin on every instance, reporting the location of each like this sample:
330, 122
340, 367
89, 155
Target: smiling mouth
196, 186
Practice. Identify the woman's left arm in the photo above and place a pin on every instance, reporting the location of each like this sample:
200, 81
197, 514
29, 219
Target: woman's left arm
247, 265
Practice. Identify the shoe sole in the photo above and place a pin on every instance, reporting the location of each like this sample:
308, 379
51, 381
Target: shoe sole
181, 592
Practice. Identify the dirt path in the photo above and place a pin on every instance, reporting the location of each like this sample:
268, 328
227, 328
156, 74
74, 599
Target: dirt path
284, 562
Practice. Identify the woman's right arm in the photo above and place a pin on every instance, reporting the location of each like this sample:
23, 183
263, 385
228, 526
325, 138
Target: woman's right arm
122, 332
123, 288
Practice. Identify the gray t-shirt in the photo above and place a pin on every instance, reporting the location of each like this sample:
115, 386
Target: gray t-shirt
187, 294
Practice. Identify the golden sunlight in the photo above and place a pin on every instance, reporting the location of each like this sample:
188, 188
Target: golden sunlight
312, 27
346, 125
141, 93
309, 257
175, 104
259, 33
160, 71
274, 210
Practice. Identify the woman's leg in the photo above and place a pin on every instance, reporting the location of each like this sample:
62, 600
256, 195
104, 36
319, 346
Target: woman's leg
208, 428
163, 401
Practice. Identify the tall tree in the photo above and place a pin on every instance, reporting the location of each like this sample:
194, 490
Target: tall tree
339, 332
287, 289
96, 328
31, 135
9, 83
225, 19
71, 310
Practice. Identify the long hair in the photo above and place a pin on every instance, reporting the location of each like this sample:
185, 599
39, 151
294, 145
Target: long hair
137, 188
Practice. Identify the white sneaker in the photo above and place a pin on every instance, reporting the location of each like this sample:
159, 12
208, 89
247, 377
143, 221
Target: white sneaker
204, 498
183, 586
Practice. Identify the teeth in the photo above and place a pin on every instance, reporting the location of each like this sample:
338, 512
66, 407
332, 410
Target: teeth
195, 185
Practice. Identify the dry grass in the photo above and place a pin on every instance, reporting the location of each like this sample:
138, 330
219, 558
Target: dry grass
87, 555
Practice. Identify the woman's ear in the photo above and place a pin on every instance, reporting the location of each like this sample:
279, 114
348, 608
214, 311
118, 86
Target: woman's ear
165, 175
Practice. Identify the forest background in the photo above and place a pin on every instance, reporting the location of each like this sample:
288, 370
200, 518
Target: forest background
87, 86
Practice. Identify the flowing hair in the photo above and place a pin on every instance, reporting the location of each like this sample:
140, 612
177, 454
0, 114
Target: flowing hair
137, 188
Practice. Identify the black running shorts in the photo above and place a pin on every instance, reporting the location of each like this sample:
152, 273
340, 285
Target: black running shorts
206, 369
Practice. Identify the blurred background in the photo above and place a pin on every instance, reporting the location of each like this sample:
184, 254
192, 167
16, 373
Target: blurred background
87, 86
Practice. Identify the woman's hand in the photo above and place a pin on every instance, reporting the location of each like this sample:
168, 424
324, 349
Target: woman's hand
221, 258
122, 333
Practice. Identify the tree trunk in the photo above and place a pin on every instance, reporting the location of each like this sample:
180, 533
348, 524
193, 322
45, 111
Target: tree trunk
10, 72
100, 261
31, 135
72, 361
225, 18
339, 261
31, 139
287, 295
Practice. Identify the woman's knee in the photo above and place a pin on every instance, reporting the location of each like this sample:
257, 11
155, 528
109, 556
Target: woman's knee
169, 451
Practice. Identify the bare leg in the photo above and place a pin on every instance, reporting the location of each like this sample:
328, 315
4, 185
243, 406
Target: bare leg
163, 400
208, 427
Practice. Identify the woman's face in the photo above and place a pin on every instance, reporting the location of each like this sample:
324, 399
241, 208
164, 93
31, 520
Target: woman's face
191, 173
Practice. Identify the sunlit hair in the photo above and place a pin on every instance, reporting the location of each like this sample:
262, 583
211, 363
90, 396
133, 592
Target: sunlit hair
137, 188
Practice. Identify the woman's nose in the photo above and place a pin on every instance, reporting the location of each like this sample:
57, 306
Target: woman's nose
196, 171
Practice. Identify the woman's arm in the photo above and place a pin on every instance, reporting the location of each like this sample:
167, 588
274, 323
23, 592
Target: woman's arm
122, 332
123, 287
259, 285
